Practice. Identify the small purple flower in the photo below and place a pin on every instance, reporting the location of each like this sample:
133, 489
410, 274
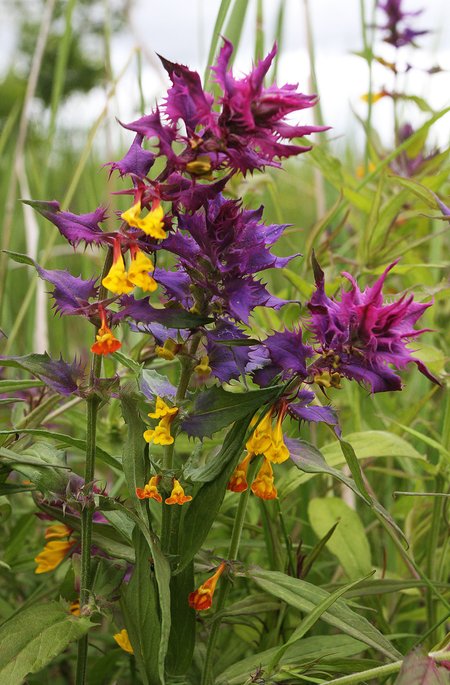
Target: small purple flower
360, 337
300, 409
398, 33
137, 162
284, 354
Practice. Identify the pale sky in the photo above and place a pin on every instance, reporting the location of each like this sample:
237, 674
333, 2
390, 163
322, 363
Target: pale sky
181, 30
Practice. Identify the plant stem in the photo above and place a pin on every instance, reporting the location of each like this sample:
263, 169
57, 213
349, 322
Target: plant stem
187, 367
207, 676
92, 405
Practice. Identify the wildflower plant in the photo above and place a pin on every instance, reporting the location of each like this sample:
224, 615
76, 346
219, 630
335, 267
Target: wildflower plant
184, 274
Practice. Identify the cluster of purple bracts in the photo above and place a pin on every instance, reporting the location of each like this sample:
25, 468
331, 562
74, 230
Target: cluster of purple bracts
221, 248
398, 31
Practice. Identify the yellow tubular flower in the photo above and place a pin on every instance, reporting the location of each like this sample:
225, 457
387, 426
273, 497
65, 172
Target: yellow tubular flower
116, 279
52, 555
123, 641
203, 368
261, 439
263, 486
177, 495
75, 607
162, 409
152, 224
278, 451
138, 273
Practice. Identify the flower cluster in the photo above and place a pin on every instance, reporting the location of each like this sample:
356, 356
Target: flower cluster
398, 31
198, 310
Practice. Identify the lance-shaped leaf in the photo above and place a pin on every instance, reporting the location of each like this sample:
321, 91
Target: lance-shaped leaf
310, 460
306, 597
216, 408
199, 516
35, 636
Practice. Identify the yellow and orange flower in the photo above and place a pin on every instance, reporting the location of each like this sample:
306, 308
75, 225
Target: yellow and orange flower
52, 555
177, 495
238, 480
139, 272
150, 490
105, 342
263, 485
201, 599
123, 641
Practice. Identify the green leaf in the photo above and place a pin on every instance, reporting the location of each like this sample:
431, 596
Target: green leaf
182, 634
306, 597
216, 408
63, 440
140, 607
20, 258
199, 516
370, 444
14, 386
40, 463
417, 189
134, 467
355, 469
320, 648
215, 36
128, 363
349, 541
309, 459
34, 636
311, 619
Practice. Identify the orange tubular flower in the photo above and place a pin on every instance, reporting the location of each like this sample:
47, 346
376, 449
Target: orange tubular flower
123, 641
117, 280
150, 490
201, 599
177, 495
152, 224
263, 486
139, 271
52, 555
105, 342
238, 480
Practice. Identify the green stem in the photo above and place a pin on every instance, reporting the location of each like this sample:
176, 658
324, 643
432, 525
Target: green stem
92, 402
187, 367
207, 676
369, 59
381, 671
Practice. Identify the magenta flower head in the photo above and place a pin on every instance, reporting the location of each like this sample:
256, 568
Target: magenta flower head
360, 337
398, 33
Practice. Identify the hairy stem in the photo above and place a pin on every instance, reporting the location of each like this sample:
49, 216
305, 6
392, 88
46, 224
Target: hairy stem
92, 405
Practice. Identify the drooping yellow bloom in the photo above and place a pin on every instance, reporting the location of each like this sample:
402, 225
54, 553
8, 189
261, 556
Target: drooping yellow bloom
57, 530
162, 409
263, 485
201, 599
269, 441
150, 490
160, 435
123, 641
139, 272
152, 224
203, 368
168, 350
117, 280
238, 480
177, 495
52, 555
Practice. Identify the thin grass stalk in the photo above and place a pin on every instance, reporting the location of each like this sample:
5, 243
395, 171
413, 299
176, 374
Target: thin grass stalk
220, 20
259, 31
67, 198
21, 140
368, 45
319, 185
